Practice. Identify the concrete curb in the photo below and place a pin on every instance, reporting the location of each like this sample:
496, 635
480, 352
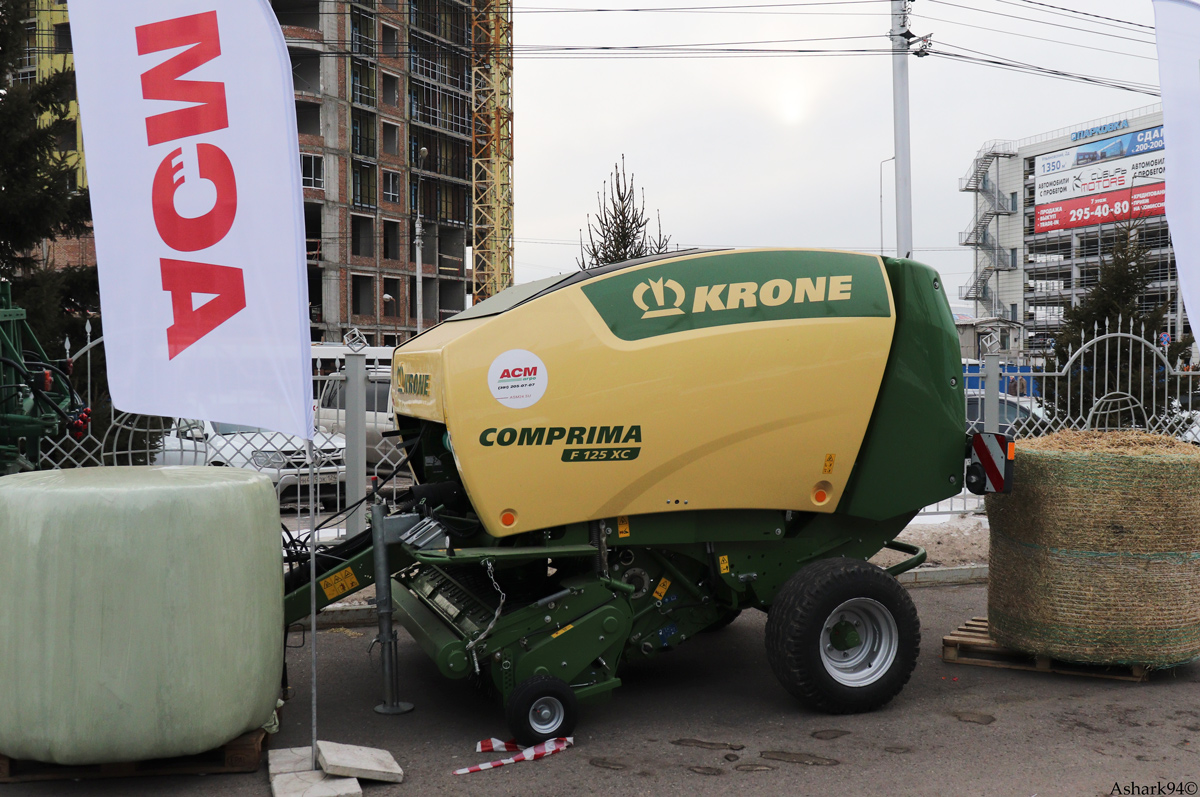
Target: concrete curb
944, 576
346, 615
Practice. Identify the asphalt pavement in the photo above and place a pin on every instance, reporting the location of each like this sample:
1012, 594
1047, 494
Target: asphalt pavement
955, 729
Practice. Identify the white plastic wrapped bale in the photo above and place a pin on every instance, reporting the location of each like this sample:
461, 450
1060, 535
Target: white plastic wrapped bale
141, 612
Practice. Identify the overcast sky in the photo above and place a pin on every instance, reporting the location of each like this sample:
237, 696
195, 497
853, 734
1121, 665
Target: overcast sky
786, 151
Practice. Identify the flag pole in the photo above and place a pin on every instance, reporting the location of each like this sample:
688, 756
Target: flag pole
312, 590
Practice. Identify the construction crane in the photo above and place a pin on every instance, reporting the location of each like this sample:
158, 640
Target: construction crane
492, 147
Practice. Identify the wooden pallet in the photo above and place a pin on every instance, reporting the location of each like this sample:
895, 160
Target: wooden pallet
243, 754
972, 643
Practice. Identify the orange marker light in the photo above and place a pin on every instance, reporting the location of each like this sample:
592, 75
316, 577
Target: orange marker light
820, 496
1012, 450
508, 518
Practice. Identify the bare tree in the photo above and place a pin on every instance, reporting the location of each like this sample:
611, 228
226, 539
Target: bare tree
619, 231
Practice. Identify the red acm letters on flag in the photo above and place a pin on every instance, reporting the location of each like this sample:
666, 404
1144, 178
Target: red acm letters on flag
209, 113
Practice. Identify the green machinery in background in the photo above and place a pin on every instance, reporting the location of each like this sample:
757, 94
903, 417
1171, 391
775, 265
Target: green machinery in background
36, 398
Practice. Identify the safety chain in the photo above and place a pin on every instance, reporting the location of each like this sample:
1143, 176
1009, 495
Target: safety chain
471, 645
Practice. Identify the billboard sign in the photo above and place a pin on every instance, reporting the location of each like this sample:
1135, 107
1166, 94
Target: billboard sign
1111, 179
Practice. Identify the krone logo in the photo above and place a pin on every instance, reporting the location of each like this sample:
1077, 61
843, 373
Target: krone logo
658, 289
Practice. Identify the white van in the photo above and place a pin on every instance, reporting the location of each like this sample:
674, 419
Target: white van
330, 358
329, 390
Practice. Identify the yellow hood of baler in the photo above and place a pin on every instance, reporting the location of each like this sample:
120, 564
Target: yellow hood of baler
721, 380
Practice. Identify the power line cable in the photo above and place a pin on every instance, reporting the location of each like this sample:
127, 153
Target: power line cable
466, 11
1039, 21
1017, 66
1063, 72
1036, 38
1072, 11
573, 47
685, 9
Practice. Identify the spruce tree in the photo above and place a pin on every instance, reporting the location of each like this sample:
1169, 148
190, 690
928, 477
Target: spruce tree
619, 232
1113, 306
39, 193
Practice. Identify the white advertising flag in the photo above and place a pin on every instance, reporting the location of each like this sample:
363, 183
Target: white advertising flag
189, 129
1177, 31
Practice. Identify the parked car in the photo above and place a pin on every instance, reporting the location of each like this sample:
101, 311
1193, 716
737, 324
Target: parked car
330, 413
1020, 414
281, 457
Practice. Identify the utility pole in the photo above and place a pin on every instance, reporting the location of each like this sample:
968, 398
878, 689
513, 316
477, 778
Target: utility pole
900, 40
420, 241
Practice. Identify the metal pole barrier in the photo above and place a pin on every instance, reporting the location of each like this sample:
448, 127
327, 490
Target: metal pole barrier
356, 439
991, 393
885, 160
312, 589
383, 606
420, 242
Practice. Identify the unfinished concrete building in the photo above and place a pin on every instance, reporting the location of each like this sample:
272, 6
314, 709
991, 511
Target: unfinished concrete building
375, 82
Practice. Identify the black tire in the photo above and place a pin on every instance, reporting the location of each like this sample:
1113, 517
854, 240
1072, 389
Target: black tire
822, 659
723, 622
540, 708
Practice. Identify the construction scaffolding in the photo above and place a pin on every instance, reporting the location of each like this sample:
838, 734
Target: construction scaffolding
492, 147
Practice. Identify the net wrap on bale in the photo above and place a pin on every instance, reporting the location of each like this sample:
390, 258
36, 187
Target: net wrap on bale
1095, 555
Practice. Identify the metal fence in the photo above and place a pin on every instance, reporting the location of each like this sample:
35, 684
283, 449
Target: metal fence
1119, 377
343, 437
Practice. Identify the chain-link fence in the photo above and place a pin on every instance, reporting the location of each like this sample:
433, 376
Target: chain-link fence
1118, 378
128, 439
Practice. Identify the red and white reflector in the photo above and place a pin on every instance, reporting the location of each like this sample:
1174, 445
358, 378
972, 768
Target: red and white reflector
991, 465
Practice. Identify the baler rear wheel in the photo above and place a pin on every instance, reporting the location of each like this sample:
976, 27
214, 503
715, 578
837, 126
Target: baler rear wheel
843, 636
540, 708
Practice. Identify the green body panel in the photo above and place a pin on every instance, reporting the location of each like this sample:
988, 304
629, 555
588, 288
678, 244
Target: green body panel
666, 587
296, 603
574, 648
912, 455
687, 293
439, 642
680, 528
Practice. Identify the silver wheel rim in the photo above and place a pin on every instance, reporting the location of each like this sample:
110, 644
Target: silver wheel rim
546, 715
858, 642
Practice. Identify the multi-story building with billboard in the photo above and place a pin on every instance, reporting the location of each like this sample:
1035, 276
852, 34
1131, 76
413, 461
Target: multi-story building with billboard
376, 81
1046, 214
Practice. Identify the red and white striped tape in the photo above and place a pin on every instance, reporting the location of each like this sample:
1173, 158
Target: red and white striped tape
494, 745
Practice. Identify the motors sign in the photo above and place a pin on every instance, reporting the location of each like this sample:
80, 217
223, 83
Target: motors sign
1112, 179
188, 117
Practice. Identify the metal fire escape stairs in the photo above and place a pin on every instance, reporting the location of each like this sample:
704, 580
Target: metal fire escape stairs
989, 204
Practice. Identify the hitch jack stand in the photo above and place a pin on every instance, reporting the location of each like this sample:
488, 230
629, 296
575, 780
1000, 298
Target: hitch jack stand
383, 606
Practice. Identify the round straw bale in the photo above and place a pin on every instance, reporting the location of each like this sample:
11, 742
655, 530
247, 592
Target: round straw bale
1095, 555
